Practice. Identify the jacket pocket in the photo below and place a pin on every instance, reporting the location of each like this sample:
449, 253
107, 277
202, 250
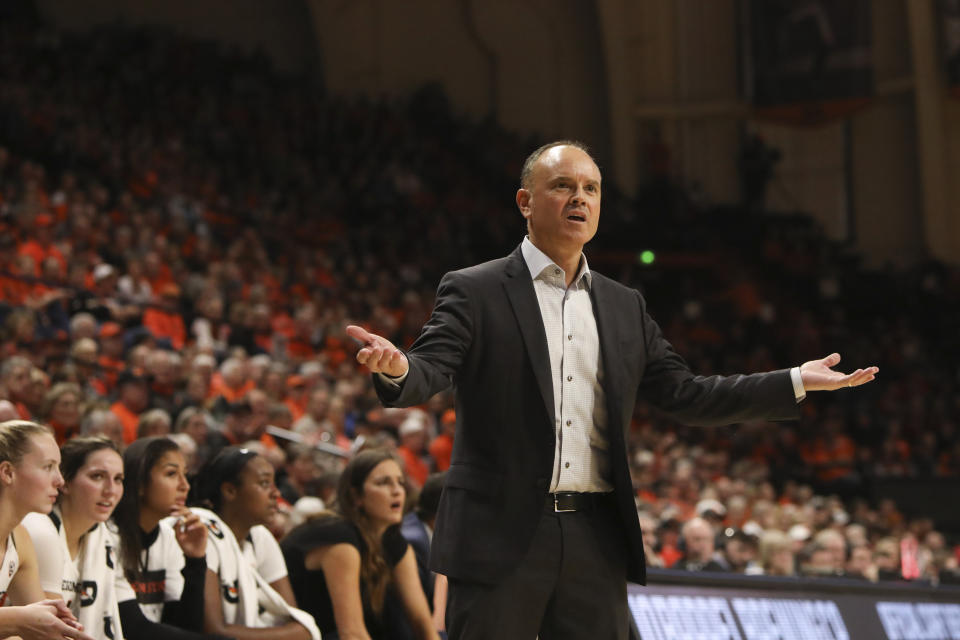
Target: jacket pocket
474, 479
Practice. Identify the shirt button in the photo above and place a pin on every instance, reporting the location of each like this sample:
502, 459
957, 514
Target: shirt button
556, 271
569, 422
569, 378
566, 465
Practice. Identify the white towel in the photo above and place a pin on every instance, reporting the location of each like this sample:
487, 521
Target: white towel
247, 598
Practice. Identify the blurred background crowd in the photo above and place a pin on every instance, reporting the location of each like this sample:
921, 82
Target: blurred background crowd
182, 247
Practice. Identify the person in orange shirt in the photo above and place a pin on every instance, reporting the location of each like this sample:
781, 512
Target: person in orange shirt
231, 382
40, 246
111, 354
297, 396
133, 398
413, 436
164, 320
441, 448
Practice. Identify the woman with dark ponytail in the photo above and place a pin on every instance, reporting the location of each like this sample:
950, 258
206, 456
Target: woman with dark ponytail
351, 569
247, 595
162, 543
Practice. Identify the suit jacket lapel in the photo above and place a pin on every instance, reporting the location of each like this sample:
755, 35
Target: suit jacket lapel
519, 288
604, 311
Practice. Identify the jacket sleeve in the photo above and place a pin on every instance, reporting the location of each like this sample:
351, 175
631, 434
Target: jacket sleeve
438, 352
670, 385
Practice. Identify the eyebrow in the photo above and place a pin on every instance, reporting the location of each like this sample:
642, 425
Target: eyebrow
564, 176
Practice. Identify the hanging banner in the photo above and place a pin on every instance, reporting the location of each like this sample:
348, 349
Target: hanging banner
809, 61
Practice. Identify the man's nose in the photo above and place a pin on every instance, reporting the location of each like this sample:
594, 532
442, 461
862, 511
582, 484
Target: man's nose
578, 197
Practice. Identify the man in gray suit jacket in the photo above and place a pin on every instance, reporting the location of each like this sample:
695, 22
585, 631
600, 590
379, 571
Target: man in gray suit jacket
537, 529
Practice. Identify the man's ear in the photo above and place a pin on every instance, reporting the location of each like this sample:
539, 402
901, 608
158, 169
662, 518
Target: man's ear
8, 473
523, 202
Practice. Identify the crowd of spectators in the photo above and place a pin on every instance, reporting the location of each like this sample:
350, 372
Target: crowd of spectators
184, 235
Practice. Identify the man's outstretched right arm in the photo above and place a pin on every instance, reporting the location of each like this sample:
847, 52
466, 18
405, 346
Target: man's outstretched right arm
406, 379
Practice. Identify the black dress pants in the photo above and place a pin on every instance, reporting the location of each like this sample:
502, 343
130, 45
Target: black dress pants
571, 585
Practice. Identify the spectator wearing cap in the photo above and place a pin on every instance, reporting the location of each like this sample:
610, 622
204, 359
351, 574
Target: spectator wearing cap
711, 510
163, 320
441, 447
698, 540
413, 437
133, 397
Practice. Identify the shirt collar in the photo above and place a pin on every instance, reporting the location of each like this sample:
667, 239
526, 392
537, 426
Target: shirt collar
537, 261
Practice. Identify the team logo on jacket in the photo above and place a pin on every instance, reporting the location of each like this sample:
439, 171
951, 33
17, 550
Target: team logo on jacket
108, 626
231, 593
215, 529
88, 593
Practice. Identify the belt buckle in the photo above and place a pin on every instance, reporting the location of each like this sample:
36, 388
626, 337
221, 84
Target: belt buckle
556, 505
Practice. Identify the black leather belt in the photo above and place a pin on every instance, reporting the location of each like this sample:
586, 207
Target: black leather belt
566, 501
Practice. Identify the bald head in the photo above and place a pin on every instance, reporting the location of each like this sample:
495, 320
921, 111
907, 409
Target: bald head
526, 174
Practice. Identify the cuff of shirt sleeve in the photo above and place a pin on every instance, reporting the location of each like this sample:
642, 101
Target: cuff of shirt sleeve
390, 381
798, 389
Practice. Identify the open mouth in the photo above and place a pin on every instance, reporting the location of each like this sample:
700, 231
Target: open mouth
105, 505
576, 217
396, 505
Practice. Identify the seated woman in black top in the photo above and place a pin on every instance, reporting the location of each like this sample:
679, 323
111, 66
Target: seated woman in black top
342, 567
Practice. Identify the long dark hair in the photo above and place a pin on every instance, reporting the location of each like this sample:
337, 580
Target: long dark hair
138, 461
226, 466
374, 570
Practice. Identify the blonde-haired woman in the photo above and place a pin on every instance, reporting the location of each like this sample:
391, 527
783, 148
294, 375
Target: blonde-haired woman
29, 481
